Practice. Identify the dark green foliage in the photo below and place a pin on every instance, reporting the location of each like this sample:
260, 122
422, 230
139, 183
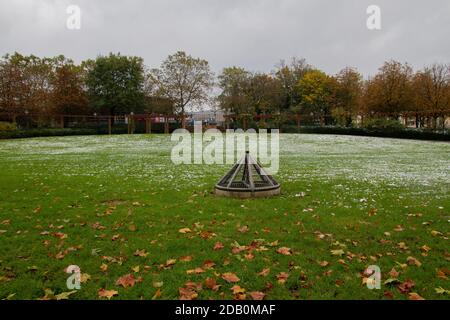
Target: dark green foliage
116, 84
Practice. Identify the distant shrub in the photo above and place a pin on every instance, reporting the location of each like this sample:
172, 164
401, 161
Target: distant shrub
44, 133
383, 124
7, 126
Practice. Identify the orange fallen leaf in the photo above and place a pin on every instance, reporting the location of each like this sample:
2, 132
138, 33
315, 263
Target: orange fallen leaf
186, 258
127, 280
413, 261
230, 277
218, 246
102, 293
237, 289
285, 251
415, 296
265, 272
140, 253
282, 277
257, 295
196, 271
211, 283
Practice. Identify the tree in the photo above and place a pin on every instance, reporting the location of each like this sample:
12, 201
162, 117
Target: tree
25, 84
390, 91
348, 93
234, 98
184, 80
432, 91
68, 94
316, 94
288, 77
115, 84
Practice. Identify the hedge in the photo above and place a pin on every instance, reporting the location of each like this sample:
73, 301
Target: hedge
401, 134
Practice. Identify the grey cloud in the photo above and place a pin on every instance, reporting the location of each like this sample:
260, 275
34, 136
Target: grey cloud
254, 34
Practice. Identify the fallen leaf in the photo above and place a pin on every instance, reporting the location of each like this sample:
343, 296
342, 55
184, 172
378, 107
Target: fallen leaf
170, 262
257, 295
102, 293
184, 230
338, 252
85, 277
196, 271
415, 296
140, 253
243, 229
218, 246
282, 277
265, 272
157, 294
237, 289
186, 258
413, 261
135, 269
127, 280
64, 295
441, 290
230, 277
323, 263
285, 251
211, 283
406, 286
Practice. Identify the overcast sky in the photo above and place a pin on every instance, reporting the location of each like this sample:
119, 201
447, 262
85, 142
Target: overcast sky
255, 34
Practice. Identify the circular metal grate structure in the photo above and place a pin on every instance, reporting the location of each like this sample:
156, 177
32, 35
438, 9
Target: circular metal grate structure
247, 179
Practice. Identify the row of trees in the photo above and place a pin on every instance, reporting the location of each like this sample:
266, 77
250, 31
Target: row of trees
301, 89
117, 84
110, 85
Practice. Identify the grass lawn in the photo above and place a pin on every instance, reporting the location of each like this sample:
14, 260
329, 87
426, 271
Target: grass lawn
115, 206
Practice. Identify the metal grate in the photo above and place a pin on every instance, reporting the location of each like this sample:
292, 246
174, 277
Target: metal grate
246, 179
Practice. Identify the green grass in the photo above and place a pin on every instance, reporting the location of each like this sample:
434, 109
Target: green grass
329, 186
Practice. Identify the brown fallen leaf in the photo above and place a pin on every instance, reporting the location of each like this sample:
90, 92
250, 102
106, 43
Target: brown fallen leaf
257, 295
170, 262
218, 246
196, 271
243, 229
406, 286
127, 280
285, 251
414, 296
323, 263
186, 258
102, 293
441, 274
282, 277
265, 272
211, 284
157, 294
237, 289
184, 230
413, 261
189, 291
209, 264
394, 273
140, 253
104, 267
230, 277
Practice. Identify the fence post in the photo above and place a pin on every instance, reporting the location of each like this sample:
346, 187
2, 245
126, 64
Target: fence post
183, 122
166, 124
